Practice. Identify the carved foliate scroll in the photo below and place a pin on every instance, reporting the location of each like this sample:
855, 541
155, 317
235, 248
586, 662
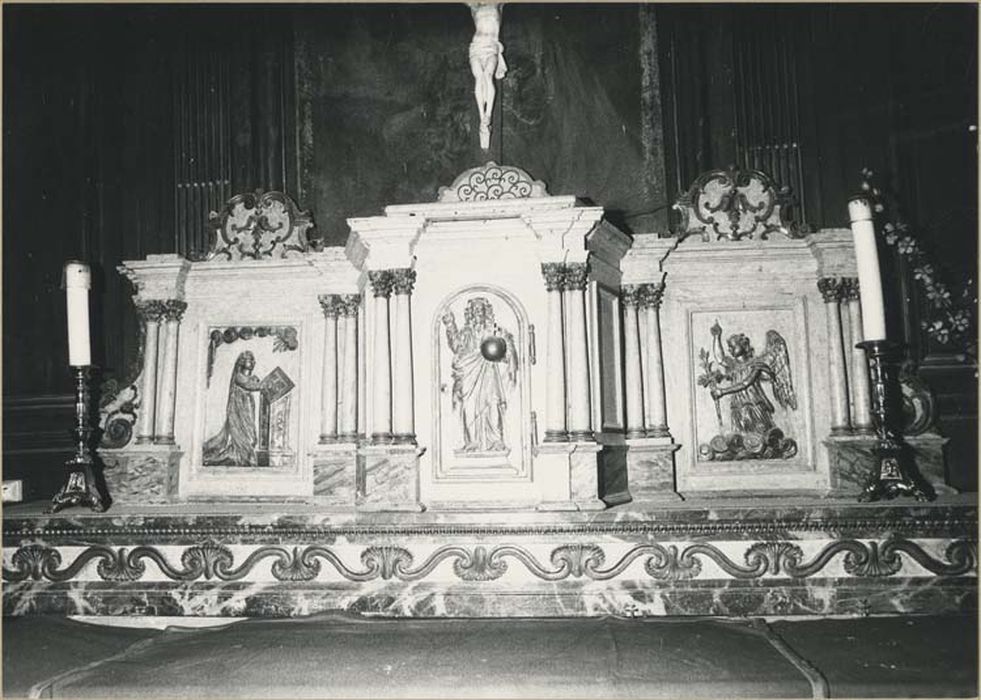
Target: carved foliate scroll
257, 225
735, 204
492, 181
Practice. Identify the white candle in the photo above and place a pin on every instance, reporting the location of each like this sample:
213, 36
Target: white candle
78, 282
869, 276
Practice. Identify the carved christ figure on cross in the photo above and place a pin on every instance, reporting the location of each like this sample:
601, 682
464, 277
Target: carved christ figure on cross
486, 61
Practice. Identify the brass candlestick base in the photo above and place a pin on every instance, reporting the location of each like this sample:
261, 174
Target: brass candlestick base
80, 489
895, 473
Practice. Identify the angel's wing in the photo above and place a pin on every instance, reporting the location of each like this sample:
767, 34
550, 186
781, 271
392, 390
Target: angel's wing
778, 359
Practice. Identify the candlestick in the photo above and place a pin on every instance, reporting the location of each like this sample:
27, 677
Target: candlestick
78, 282
80, 489
869, 275
894, 473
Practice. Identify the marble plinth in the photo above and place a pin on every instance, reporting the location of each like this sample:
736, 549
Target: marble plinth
335, 475
853, 457
650, 464
816, 557
388, 478
142, 474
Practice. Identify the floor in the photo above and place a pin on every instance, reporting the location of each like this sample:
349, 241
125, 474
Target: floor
343, 655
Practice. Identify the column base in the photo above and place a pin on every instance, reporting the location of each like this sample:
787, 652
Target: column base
863, 430
327, 440
164, 440
841, 430
582, 436
659, 431
556, 436
404, 439
381, 438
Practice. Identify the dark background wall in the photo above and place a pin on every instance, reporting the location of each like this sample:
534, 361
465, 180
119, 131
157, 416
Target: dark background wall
124, 125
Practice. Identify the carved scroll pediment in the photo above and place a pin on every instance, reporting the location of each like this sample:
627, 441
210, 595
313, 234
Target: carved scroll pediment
258, 225
735, 204
492, 181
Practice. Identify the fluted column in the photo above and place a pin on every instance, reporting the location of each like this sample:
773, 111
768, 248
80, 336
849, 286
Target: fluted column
831, 291
330, 303
577, 355
650, 304
150, 312
347, 341
555, 430
632, 364
381, 399
861, 407
166, 400
403, 280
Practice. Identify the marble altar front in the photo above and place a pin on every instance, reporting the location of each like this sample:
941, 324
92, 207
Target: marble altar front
497, 403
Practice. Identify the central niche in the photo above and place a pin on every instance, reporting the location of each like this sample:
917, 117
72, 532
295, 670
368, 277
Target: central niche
483, 426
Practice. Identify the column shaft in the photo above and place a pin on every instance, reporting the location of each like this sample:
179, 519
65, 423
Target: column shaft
328, 410
555, 426
381, 400
580, 415
404, 418
658, 419
632, 368
151, 313
348, 408
861, 407
166, 400
831, 292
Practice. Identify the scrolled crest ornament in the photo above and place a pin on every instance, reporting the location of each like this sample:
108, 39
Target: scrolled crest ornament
258, 225
489, 182
735, 204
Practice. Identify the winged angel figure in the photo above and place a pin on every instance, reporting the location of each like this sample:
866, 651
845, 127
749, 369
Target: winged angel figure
740, 375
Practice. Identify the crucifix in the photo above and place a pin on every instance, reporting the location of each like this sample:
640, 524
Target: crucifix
486, 61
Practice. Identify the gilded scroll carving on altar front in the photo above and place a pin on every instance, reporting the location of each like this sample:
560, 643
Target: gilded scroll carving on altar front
746, 390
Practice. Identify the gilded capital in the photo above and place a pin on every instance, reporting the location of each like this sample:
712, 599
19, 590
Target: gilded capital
649, 295
403, 280
349, 304
850, 289
174, 309
576, 276
151, 311
554, 274
630, 294
381, 282
331, 304
832, 289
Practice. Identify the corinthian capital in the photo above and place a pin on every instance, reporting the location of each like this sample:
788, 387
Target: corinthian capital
649, 296
630, 294
151, 311
403, 280
331, 304
174, 309
554, 274
381, 282
832, 289
576, 275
